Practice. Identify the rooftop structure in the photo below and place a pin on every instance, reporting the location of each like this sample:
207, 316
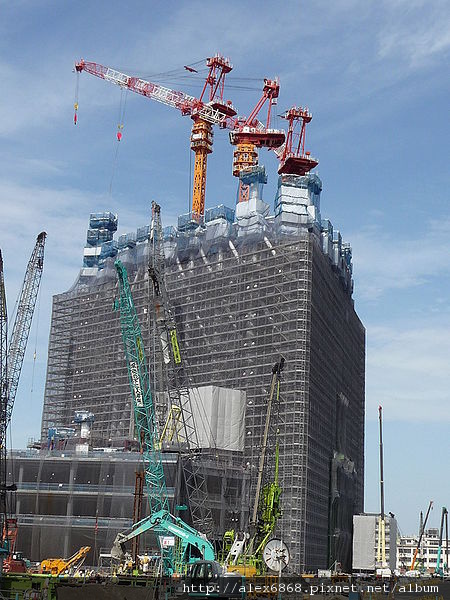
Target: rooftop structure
246, 287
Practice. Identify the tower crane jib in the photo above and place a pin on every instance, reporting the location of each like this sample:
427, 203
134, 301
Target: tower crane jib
216, 111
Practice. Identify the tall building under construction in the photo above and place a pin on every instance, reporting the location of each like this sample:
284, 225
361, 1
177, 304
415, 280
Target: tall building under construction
246, 287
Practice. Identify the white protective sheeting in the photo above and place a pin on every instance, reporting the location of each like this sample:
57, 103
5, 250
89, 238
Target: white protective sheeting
364, 542
251, 216
219, 417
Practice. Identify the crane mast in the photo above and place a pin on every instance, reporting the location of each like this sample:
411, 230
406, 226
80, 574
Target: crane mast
159, 518
144, 411
12, 353
416, 551
3, 400
274, 392
441, 570
381, 550
292, 156
247, 549
249, 134
207, 110
22, 324
177, 383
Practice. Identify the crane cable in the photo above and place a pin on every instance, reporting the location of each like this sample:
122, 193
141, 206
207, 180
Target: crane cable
120, 126
35, 344
190, 181
77, 86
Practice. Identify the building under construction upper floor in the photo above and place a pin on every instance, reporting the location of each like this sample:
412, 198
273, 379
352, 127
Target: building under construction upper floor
296, 213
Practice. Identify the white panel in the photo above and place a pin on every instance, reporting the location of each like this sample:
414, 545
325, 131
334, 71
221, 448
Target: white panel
219, 417
364, 542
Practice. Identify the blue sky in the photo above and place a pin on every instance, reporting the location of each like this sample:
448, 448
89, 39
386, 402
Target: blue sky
374, 76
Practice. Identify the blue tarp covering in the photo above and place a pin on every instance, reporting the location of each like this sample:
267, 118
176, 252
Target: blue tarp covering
169, 233
186, 222
109, 249
326, 225
105, 220
142, 233
219, 212
92, 237
127, 240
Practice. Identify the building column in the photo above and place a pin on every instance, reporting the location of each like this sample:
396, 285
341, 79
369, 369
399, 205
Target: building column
18, 487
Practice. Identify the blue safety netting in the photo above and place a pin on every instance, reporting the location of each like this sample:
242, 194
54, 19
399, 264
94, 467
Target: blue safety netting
104, 220
219, 212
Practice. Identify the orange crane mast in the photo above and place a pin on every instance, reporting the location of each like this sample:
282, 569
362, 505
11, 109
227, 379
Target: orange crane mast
207, 110
249, 134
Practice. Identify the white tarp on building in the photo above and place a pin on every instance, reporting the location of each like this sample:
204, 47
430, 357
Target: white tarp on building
364, 542
219, 417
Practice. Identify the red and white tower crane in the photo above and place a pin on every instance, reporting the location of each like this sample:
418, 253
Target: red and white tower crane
249, 133
207, 110
292, 156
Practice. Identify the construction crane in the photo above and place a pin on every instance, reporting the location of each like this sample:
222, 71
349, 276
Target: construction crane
177, 385
192, 544
11, 359
22, 324
381, 549
413, 562
292, 155
4, 401
249, 134
207, 110
441, 570
248, 550
57, 566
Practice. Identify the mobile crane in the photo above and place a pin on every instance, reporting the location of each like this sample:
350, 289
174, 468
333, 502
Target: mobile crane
57, 566
12, 353
192, 543
251, 550
183, 432
441, 569
416, 551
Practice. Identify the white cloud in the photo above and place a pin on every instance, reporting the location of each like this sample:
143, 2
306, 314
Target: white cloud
63, 213
407, 371
385, 262
416, 33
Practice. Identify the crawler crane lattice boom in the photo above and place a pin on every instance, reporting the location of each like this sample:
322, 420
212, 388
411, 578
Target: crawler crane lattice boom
177, 384
159, 519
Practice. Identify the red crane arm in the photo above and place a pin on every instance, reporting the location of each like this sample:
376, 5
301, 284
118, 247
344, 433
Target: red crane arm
271, 90
188, 105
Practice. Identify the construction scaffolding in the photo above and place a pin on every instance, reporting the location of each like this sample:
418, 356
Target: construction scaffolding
246, 288
67, 499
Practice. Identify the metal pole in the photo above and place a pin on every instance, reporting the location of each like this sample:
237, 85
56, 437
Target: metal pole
380, 410
276, 370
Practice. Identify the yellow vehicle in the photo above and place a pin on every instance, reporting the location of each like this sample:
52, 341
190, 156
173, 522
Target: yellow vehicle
57, 566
